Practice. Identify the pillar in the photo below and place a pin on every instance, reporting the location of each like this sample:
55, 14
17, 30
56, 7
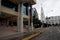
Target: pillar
12, 23
20, 18
7, 22
27, 13
31, 18
29, 21
0, 9
0, 3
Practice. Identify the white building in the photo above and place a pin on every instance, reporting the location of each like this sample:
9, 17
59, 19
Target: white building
53, 20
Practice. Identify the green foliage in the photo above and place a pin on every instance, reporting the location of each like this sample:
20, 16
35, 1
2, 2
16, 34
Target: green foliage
36, 22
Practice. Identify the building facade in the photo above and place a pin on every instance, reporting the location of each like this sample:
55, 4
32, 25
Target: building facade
53, 20
14, 12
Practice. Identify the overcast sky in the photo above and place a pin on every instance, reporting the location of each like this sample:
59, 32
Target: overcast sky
51, 7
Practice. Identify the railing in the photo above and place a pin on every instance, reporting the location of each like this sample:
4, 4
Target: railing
8, 10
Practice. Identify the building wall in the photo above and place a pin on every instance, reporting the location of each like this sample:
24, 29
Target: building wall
16, 8
53, 20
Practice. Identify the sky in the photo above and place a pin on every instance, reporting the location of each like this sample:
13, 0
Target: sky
50, 7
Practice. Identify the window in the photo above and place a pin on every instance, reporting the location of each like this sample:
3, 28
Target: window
25, 9
10, 5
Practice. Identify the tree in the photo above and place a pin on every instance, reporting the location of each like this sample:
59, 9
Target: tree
56, 24
36, 22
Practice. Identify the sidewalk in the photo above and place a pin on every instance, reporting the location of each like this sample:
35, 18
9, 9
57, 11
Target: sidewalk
16, 35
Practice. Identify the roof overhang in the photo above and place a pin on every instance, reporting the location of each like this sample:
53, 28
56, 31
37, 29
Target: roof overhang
32, 2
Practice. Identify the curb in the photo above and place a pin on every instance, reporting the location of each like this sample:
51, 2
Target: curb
32, 36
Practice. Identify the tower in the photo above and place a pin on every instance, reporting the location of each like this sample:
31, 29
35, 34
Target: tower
42, 15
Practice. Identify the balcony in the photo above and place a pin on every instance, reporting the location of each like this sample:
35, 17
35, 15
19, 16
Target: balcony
24, 1
26, 17
8, 11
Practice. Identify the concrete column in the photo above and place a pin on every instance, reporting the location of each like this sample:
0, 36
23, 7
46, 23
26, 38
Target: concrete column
12, 23
27, 13
4, 22
31, 18
42, 25
20, 18
7, 22
0, 3
0, 6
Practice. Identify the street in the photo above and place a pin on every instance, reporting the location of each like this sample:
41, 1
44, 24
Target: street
52, 33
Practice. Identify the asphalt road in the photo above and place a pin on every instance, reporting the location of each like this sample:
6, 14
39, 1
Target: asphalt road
52, 33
